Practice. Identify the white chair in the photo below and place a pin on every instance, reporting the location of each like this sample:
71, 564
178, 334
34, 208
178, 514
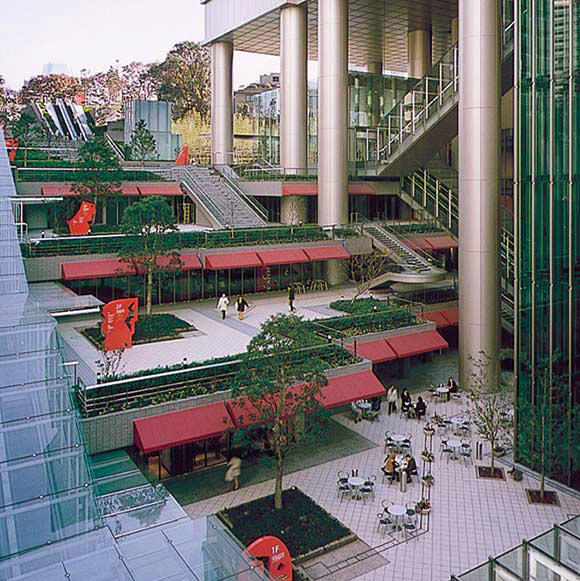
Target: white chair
384, 521
344, 490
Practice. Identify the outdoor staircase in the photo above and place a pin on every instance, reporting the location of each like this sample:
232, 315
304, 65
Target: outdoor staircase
225, 205
411, 266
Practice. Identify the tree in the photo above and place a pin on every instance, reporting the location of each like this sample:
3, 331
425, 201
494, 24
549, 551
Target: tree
28, 131
184, 79
49, 88
136, 82
362, 269
152, 243
99, 172
267, 392
143, 144
491, 402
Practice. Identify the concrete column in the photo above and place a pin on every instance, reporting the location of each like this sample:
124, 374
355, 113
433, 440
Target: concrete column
419, 52
222, 129
479, 115
293, 209
332, 112
376, 90
293, 89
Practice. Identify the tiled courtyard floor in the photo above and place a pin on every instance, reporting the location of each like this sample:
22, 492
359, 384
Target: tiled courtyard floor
471, 518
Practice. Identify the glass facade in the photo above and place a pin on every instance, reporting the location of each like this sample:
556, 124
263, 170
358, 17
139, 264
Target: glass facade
547, 184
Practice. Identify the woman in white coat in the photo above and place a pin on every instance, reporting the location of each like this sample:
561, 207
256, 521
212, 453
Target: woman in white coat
223, 305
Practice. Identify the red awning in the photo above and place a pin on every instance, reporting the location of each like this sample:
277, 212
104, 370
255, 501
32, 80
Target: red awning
417, 343
441, 242
56, 191
319, 253
312, 189
230, 260
282, 256
165, 189
436, 317
188, 262
342, 390
183, 427
377, 351
451, 314
88, 269
418, 243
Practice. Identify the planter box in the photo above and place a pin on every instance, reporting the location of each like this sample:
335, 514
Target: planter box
349, 369
428, 326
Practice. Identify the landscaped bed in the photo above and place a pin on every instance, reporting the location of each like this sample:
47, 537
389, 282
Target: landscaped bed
360, 306
302, 524
148, 328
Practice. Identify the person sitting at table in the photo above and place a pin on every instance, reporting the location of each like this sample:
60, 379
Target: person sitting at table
452, 385
389, 467
420, 408
411, 467
405, 400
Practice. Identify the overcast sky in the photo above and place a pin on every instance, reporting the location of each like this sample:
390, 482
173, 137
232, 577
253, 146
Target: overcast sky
94, 34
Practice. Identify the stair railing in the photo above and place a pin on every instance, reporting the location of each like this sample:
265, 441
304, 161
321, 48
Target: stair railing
201, 198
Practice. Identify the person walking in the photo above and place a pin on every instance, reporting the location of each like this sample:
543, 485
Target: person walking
392, 399
234, 471
241, 306
223, 305
291, 298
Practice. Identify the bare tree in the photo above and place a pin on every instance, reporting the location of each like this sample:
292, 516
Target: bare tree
362, 269
491, 402
110, 363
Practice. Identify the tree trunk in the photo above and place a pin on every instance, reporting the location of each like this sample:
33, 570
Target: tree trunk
543, 457
492, 442
149, 292
279, 475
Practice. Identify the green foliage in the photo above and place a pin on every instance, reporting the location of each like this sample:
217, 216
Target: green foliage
143, 144
152, 244
350, 326
49, 88
28, 131
98, 172
183, 78
302, 525
360, 306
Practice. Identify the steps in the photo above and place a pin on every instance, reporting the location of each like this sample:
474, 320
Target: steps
412, 266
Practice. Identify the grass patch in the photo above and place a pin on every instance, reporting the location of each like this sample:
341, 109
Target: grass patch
302, 524
147, 329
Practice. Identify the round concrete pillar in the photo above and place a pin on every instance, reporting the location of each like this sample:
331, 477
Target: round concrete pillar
375, 91
332, 112
222, 130
419, 52
479, 114
293, 90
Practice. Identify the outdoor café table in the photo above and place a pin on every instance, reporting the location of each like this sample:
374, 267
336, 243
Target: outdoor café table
397, 511
364, 405
457, 421
398, 439
454, 444
442, 391
355, 482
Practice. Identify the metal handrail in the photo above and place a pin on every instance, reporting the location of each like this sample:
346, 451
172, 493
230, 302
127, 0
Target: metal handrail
111, 143
203, 199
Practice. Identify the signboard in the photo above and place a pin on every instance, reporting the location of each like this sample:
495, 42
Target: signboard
274, 555
11, 147
183, 157
119, 323
79, 224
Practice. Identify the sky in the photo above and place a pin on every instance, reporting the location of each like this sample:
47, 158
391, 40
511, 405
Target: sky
95, 34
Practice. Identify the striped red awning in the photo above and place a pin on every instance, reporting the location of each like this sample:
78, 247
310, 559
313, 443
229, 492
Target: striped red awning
230, 260
417, 343
348, 388
377, 351
282, 256
182, 427
319, 253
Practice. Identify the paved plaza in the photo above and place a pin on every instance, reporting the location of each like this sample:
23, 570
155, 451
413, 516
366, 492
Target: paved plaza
471, 518
216, 338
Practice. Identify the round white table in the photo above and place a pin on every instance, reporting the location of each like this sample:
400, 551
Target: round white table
458, 421
397, 511
454, 444
442, 391
398, 439
364, 405
355, 482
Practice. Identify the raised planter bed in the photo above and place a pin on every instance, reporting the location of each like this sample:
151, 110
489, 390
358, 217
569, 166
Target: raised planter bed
485, 472
550, 497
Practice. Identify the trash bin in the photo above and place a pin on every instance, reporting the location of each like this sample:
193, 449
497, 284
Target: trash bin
479, 450
403, 481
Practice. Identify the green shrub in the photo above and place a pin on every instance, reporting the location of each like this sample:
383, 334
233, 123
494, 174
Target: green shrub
360, 306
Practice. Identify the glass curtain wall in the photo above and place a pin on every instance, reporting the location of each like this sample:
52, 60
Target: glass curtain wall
547, 184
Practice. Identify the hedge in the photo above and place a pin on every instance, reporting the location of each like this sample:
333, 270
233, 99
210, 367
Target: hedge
360, 306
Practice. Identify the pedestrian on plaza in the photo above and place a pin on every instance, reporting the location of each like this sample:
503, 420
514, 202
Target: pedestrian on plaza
420, 408
223, 305
452, 385
234, 471
291, 298
405, 400
241, 306
392, 399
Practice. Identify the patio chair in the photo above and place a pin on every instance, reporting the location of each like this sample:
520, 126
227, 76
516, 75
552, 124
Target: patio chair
410, 528
389, 475
342, 477
370, 482
366, 492
443, 442
384, 521
372, 415
446, 451
344, 490
411, 511
356, 412
466, 453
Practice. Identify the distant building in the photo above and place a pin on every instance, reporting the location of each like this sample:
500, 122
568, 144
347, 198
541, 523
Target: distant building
243, 98
55, 69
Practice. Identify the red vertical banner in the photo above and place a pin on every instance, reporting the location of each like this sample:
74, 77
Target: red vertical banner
79, 224
12, 147
274, 555
118, 325
183, 157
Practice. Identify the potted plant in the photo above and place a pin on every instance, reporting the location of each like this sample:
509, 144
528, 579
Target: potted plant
428, 429
428, 479
427, 456
423, 506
